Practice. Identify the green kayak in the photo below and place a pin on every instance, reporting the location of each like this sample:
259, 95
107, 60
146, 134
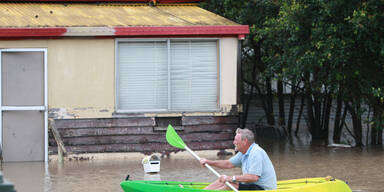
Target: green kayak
327, 184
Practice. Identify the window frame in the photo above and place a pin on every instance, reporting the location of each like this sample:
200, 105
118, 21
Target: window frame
168, 42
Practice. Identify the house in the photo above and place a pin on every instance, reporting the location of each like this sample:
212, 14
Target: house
113, 75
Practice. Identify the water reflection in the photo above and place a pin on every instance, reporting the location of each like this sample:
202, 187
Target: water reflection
26, 176
363, 168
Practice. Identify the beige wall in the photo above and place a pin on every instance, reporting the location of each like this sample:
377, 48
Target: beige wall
228, 70
81, 77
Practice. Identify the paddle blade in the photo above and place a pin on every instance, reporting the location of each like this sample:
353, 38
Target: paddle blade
173, 138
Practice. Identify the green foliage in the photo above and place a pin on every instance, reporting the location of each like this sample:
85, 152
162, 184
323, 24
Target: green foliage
253, 13
332, 46
378, 93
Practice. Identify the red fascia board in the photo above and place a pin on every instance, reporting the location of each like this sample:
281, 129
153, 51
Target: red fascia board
32, 32
175, 36
108, 1
171, 31
179, 1
183, 30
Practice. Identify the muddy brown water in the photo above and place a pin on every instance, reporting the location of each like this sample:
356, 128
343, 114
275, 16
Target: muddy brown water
362, 168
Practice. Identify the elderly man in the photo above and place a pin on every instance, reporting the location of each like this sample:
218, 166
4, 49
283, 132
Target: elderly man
258, 171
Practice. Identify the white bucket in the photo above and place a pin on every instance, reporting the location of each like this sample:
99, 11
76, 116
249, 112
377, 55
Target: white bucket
151, 164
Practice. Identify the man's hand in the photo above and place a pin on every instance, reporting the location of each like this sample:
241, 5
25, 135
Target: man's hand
224, 178
203, 161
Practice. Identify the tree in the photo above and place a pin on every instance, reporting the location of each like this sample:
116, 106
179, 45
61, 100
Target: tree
252, 13
329, 46
326, 50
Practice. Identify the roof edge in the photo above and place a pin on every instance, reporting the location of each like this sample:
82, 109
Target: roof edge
238, 31
234, 30
152, 2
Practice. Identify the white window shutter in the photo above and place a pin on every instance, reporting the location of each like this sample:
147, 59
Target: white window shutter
142, 76
194, 76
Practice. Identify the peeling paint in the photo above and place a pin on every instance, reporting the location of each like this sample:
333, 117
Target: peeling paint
226, 110
79, 112
229, 108
188, 114
95, 112
82, 108
240, 108
60, 113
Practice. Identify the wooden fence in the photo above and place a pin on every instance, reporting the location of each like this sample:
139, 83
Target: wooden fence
142, 134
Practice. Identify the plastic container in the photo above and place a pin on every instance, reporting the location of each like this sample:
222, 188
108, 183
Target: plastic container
151, 164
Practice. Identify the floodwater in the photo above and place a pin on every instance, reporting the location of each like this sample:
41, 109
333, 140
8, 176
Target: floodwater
362, 168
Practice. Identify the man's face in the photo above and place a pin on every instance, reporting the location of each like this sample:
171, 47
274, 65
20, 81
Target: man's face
239, 144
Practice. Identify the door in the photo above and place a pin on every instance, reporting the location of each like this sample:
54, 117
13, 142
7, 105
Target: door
23, 105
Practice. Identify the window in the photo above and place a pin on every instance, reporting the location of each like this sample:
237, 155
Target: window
167, 75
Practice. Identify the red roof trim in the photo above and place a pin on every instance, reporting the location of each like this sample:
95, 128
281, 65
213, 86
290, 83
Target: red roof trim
175, 31
108, 1
183, 30
32, 32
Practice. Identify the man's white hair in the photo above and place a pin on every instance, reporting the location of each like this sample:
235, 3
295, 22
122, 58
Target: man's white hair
246, 134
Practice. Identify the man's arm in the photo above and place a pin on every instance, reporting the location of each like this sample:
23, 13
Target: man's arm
222, 164
246, 178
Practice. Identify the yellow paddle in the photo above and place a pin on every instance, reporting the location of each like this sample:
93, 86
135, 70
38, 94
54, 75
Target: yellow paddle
174, 140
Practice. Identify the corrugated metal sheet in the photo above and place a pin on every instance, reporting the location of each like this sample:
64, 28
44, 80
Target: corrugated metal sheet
106, 15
